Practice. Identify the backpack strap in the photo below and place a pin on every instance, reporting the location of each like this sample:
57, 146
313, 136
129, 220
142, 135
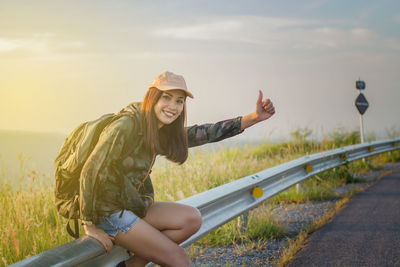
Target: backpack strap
69, 230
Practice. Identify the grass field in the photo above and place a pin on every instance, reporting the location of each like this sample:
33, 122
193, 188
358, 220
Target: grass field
30, 224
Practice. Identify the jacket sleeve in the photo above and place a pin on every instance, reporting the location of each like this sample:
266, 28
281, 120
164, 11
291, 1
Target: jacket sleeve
208, 133
107, 150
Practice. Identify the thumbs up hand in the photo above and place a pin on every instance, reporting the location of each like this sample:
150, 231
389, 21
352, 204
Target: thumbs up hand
264, 107
264, 110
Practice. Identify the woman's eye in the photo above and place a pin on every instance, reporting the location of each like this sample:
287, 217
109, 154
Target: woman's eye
165, 96
180, 101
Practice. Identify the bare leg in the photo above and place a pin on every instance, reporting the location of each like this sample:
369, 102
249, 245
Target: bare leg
178, 222
175, 222
151, 245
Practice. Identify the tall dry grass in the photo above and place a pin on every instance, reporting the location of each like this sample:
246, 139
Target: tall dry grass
30, 224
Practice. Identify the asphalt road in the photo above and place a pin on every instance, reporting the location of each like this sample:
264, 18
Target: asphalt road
365, 233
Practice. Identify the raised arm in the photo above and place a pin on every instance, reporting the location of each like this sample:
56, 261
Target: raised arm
208, 133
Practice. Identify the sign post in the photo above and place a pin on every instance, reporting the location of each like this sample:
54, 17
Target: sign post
362, 105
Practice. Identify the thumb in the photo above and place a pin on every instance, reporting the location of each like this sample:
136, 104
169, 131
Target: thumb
260, 96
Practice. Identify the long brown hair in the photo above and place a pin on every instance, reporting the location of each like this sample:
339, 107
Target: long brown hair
171, 139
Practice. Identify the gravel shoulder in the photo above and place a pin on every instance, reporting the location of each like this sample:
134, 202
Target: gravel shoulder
294, 218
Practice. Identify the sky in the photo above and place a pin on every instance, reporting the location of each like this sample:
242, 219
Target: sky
65, 62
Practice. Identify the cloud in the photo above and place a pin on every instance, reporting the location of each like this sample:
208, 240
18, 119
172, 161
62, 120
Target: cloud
275, 33
8, 45
333, 37
38, 43
396, 18
393, 43
217, 30
247, 29
73, 44
151, 55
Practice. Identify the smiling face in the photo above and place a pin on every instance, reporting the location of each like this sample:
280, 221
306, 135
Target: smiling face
169, 106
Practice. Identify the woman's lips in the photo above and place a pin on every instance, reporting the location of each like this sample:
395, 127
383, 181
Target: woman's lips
168, 114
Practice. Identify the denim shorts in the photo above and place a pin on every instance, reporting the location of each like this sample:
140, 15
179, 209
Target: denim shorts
114, 223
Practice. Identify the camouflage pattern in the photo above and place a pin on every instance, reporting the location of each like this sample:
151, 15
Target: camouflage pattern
209, 133
123, 180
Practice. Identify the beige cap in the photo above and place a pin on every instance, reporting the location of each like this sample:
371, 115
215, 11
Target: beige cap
170, 81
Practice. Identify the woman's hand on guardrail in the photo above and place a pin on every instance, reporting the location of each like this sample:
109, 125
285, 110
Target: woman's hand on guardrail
100, 235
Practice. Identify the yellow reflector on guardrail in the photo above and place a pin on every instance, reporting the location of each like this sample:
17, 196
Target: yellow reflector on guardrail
308, 168
344, 156
371, 149
257, 192
395, 144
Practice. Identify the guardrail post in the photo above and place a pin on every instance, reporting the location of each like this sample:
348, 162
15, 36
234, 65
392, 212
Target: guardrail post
245, 221
299, 187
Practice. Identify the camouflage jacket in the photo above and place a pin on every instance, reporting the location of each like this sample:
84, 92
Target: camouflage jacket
116, 174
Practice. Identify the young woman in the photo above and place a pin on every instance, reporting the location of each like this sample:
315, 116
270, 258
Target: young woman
118, 205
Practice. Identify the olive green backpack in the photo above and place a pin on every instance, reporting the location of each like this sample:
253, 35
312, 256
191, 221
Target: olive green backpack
69, 162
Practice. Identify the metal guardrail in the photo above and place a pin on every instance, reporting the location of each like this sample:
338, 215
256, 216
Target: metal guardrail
221, 204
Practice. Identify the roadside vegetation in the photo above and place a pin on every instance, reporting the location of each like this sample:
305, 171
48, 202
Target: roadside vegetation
30, 223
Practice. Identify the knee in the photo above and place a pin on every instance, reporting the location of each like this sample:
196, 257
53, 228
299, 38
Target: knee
194, 219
